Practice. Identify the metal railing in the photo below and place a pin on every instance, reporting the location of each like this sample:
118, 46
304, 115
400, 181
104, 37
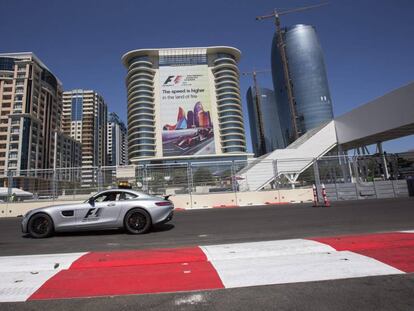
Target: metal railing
200, 177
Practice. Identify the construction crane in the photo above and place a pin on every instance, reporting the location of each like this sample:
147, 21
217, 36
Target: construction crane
262, 145
282, 50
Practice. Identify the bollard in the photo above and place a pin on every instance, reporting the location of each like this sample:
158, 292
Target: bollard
315, 196
326, 202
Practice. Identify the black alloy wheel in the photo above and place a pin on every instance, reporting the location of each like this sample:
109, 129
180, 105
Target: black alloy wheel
137, 221
40, 226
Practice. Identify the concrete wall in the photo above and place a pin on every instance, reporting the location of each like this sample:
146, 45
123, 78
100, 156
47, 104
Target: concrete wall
367, 190
347, 191
195, 201
16, 209
231, 199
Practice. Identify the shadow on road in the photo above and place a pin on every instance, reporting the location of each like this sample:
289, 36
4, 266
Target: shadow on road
155, 229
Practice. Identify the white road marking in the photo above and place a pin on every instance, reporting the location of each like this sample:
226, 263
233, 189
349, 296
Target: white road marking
288, 261
407, 231
21, 276
19, 286
264, 249
243, 272
37, 262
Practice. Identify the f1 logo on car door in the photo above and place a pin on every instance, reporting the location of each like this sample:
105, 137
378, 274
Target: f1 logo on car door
92, 214
101, 211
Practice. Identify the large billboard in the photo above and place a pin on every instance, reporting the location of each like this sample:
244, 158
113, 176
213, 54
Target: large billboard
187, 128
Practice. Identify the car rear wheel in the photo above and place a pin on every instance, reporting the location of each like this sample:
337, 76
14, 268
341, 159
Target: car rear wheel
40, 226
137, 221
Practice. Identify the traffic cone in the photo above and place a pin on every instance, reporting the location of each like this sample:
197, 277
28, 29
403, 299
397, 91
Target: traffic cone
315, 196
326, 202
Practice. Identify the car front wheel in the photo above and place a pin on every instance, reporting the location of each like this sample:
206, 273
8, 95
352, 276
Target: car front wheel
137, 221
40, 226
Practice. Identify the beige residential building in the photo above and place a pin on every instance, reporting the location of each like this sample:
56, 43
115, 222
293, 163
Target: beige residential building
84, 118
117, 141
183, 104
30, 115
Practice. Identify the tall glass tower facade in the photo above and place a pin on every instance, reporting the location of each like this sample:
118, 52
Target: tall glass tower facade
272, 134
308, 80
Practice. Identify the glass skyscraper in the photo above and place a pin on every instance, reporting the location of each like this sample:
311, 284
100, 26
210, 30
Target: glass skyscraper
308, 80
272, 134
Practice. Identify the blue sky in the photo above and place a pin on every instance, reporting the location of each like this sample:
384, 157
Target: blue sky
368, 44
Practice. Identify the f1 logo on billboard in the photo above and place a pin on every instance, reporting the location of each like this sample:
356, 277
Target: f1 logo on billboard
173, 80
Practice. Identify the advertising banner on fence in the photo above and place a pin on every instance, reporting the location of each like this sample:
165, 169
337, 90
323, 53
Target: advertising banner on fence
187, 128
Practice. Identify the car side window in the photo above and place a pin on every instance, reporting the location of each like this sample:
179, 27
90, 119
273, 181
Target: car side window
100, 198
124, 196
106, 197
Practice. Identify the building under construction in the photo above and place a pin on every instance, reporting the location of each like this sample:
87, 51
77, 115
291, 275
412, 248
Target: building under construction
312, 104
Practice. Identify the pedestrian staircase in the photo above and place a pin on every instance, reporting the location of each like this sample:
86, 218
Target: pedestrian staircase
291, 161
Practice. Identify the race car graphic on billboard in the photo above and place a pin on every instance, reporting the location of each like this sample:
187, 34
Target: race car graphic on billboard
187, 128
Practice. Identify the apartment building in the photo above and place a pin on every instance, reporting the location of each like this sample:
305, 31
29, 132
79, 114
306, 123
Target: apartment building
117, 141
30, 115
84, 118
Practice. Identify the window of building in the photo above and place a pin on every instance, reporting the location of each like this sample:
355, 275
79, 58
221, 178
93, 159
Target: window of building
187, 59
6, 63
77, 108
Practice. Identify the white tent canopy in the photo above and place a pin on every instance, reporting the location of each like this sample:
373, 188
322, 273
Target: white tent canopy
4, 192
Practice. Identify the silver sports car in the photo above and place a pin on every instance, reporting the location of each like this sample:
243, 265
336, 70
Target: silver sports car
134, 211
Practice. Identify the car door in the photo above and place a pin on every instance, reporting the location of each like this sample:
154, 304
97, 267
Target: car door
66, 217
102, 211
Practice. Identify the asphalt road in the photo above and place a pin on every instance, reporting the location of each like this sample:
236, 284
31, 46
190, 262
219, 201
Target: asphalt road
230, 225
217, 226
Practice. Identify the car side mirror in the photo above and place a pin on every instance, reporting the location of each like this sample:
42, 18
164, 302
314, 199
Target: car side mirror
91, 201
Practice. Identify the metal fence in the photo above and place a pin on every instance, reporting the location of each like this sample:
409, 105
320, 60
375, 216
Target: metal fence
363, 175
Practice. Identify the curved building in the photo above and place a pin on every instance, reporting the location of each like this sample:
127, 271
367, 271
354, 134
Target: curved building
308, 80
184, 103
